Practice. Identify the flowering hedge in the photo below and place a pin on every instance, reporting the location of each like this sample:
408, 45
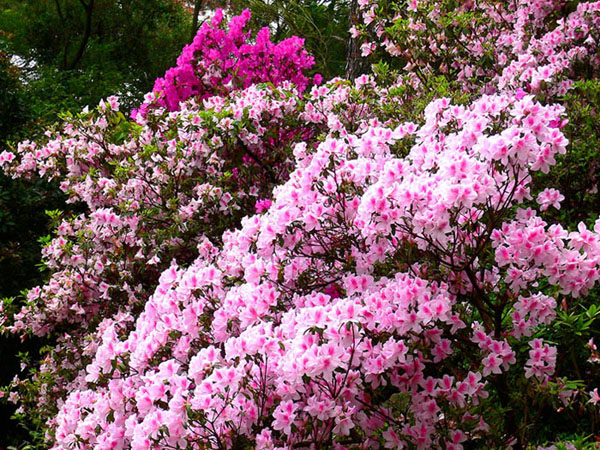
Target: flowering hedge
376, 264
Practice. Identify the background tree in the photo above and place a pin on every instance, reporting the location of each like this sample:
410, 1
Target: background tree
83, 50
355, 63
322, 23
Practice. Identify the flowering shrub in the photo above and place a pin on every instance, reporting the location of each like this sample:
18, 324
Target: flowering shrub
248, 344
219, 61
151, 196
153, 191
357, 266
538, 46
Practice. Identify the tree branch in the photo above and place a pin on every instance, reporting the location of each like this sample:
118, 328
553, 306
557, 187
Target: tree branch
197, 5
89, 8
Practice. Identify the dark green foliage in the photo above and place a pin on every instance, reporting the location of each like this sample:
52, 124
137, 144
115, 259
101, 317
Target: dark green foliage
12, 105
77, 52
323, 24
577, 174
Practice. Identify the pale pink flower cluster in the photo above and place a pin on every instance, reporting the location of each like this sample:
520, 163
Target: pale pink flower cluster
147, 196
530, 250
268, 269
154, 193
490, 46
246, 346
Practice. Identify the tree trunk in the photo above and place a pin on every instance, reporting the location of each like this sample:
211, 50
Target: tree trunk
511, 425
355, 63
89, 9
197, 5
64, 39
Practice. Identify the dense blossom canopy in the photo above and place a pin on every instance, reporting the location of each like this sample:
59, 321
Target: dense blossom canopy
268, 264
219, 61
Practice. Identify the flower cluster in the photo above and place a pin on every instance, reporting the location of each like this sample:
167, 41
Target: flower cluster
486, 46
154, 192
246, 346
219, 61
260, 266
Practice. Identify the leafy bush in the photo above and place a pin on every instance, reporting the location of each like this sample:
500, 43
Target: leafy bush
386, 263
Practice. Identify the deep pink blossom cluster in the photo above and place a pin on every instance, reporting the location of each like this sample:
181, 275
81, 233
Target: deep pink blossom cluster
222, 58
263, 268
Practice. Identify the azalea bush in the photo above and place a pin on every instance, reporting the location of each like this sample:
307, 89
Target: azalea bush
268, 262
221, 60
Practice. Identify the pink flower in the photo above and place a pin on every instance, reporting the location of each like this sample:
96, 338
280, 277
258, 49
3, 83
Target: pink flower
542, 359
491, 364
284, 416
594, 397
520, 93
262, 205
549, 197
